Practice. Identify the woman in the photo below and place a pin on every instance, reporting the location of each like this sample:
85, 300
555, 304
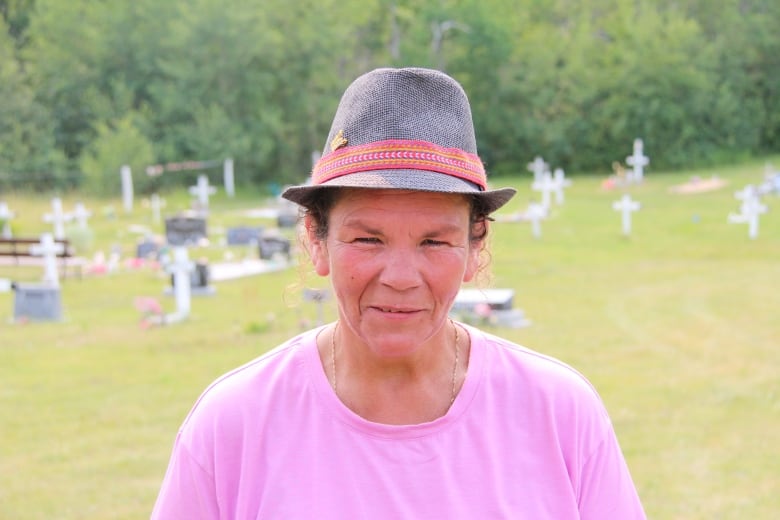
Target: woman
396, 411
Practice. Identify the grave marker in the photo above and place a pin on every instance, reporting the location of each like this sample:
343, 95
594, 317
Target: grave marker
535, 213
180, 269
49, 249
269, 246
184, 230
538, 167
227, 172
81, 214
5, 220
546, 185
638, 161
202, 190
560, 184
319, 296
127, 188
244, 235
626, 206
750, 211
58, 218
37, 302
157, 204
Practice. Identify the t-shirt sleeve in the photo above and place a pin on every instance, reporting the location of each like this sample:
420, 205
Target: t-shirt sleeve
187, 491
607, 490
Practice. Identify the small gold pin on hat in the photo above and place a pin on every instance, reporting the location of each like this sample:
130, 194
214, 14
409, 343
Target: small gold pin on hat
338, 141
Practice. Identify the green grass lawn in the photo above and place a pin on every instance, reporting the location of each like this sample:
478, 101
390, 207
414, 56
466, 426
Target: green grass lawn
678, 326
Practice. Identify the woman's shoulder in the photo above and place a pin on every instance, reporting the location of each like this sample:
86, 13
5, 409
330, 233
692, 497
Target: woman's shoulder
249, 382
532, 371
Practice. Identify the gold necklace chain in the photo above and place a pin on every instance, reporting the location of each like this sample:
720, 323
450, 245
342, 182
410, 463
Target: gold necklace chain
334, 380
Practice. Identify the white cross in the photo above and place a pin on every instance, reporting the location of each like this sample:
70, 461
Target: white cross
58, 218
49, 249
626, 206
5, 217
538, 167
546, 185
535, 214
181, 268
638, 161
81, 214
750, 210
202, 190
561, 183
746, 194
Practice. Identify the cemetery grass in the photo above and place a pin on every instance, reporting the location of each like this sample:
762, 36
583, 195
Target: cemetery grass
676, 326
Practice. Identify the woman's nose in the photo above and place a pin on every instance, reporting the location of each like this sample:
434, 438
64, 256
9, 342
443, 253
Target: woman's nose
400, 270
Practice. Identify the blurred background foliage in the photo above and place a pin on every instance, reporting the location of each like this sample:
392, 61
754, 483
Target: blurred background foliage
88, 86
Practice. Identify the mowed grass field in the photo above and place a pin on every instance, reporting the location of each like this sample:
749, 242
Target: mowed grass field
677, 326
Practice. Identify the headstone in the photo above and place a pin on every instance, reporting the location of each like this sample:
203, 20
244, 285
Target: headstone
469, 298
5, 220
127, 188
49, 249
157, 204
272, 245
244, 235
538, 167
147, 249
489, 306
626, 206
230, 186
560, 183
58, 218
199, 279
202, 190
546, 185
287, 216
750, 211
37, 302
637, 161
185, 230
81, 214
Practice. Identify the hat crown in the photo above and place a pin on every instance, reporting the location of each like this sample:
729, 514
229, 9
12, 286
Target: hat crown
407, 129
405, 104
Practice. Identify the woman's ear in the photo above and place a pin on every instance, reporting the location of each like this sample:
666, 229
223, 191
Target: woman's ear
318, 249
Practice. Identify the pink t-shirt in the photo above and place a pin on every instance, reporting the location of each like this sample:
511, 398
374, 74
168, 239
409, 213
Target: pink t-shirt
526, 438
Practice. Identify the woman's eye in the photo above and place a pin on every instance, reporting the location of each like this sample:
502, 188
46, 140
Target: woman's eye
367, 240
430, 242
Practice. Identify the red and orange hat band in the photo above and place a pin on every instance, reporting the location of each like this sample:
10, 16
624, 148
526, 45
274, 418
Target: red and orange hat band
398, 154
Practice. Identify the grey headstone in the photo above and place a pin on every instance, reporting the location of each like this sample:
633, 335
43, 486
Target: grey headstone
269, 246
243, 235
185, 230
37, 302
146, 249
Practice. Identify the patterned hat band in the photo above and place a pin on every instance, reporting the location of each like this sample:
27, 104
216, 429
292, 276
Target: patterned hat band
398, 154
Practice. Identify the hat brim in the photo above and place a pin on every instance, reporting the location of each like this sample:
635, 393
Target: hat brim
416, 180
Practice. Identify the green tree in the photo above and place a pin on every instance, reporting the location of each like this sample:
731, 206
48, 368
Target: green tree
117, 144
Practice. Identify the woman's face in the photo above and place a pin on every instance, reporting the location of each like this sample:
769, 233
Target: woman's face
396, 261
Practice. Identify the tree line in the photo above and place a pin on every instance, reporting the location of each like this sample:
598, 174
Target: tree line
87, 86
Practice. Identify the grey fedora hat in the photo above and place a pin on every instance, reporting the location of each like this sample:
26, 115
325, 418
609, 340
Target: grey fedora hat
408, 129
